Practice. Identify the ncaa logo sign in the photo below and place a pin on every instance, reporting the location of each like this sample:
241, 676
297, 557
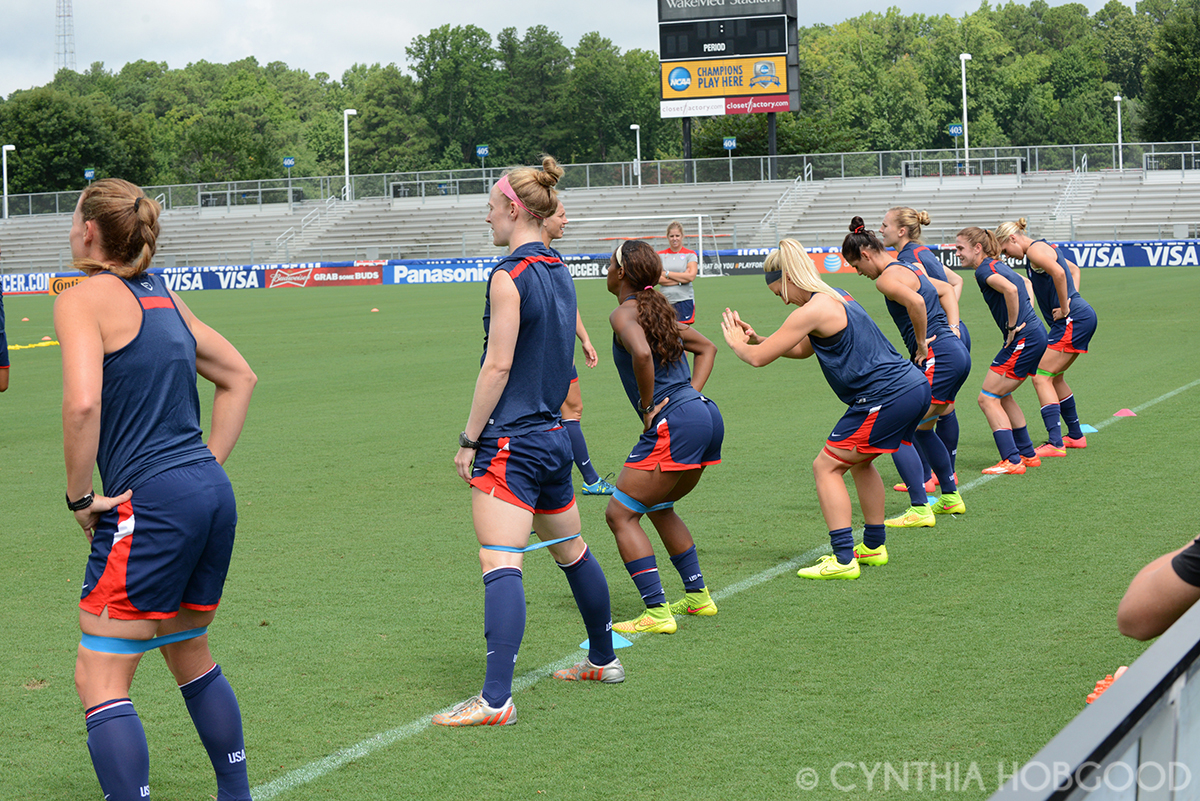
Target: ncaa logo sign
679, 79
832, 262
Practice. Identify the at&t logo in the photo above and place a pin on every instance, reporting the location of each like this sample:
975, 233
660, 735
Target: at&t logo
679, 79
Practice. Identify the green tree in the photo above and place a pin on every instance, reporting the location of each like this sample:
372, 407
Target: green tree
390, 135
533, 81
455, 69
58, 136
1172, 107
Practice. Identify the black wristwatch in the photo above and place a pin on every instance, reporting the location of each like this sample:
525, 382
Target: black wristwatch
463, 442
646, 411
82, 503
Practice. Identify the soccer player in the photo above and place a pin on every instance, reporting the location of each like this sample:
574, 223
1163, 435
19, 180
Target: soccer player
515, 453
553, 228
926, 312
1160, 593
3, 347
162, 532
1024, 344
679, 271
886, 394
1072, 321
682, 433
901, 229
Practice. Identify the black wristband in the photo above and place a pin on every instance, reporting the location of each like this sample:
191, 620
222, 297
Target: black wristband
646, 411
463, 442
82, 503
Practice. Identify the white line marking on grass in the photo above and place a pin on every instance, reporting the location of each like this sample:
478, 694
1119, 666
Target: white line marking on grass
321, 767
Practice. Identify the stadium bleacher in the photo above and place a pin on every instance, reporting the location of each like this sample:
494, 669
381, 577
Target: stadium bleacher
1107, 205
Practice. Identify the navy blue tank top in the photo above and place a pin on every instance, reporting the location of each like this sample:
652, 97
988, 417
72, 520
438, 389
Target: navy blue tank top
1047, 295
859, 362
936, 323
995, 300
671, 380
545, 350
149, 406
912, 253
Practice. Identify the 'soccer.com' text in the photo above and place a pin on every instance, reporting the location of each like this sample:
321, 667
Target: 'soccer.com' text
923, 777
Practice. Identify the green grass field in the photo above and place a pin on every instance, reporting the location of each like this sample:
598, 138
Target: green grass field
353, 609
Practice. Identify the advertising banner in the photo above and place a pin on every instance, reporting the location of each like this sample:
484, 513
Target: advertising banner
27, 283
302, 275
727, 77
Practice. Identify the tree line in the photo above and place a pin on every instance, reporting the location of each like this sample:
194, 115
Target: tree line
880, 81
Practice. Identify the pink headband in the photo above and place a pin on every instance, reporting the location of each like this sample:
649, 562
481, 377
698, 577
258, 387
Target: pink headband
507, 190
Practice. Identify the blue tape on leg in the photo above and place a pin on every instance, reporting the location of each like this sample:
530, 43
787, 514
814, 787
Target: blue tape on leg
990, 394
120, 645
658, 507
629, 503
528, 548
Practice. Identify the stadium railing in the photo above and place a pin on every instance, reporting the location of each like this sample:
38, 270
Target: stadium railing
1139, 740
274, 192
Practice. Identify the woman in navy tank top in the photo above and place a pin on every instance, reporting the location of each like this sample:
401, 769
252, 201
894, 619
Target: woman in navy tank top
162, 529
885, 394
515, 453
682, 432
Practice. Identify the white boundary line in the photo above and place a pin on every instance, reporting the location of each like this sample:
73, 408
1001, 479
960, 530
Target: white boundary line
321, 767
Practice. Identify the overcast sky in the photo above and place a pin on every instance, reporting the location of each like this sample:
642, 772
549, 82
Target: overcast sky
331, 35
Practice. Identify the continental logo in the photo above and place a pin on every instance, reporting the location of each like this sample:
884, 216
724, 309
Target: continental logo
60, 285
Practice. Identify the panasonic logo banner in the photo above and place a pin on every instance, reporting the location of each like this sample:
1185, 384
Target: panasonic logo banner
679, 79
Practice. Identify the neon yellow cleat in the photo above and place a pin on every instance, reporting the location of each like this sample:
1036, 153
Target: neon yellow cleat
657, 620
951, 503
828, 567
695, 603
871, 556
913, 517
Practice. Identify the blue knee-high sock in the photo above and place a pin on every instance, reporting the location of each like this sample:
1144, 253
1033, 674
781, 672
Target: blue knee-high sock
579, 447
874, 536
933, 448
908, 465
117, 743
1023, 442
842, 540
1071, 417
688, 565
1050, 416
503, 628
590, 589
947, 431
214, 710
1006, 445
644, 573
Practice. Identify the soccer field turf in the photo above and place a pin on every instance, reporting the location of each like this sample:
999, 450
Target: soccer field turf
353, 609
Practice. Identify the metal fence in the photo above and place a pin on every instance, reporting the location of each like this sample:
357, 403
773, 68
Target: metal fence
283, 192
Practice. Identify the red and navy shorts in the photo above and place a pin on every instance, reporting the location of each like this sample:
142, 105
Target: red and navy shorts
882, 427
947, 369
684, 438
1073, 334
166, 548
574, 374
1020, 359
532, 471
685, 311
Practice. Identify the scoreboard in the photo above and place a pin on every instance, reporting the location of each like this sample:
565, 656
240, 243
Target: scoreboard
716, 38
727, 57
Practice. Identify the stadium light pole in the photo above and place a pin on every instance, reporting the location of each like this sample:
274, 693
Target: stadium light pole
4, 156
964, 58
1120, 149
346, 115
637, 164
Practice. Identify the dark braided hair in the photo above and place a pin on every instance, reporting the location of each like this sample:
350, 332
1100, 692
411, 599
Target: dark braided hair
654, 313
859, 239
